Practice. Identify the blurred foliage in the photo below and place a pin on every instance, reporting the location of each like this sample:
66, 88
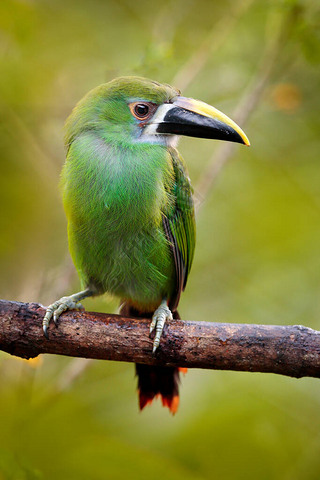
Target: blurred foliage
257, 257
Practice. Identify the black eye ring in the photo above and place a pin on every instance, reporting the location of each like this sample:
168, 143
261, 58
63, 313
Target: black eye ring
141, 110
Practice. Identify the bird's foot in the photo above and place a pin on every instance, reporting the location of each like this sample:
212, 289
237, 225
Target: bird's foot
159, 318
57, 308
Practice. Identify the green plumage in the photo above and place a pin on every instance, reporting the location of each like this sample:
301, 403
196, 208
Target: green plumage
129, 205
118, 190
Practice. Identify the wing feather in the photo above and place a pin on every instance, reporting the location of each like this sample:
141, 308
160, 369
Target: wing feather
179, 226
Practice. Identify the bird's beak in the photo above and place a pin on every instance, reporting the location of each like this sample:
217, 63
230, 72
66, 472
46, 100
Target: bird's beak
193, 118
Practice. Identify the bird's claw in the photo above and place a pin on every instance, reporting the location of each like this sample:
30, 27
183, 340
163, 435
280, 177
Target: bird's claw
159, 318
54, 311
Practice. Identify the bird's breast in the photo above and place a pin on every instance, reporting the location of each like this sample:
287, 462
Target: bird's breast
119, 187
114, 200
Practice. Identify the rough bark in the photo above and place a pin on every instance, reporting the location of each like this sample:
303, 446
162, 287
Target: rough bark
287, 350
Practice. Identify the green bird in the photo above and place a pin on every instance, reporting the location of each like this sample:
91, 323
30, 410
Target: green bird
128, 201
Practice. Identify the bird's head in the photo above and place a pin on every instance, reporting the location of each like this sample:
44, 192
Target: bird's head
135, 109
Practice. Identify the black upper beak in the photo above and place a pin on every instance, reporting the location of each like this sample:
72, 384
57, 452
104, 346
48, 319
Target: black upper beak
185, 116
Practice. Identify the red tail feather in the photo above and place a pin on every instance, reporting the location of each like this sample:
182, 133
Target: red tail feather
155, 381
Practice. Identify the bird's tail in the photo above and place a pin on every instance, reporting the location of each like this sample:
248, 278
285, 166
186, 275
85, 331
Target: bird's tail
153, 380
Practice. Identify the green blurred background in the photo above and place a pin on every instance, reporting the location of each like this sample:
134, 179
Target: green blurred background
257, 257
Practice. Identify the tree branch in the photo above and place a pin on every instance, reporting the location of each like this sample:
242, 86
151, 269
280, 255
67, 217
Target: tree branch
287, 350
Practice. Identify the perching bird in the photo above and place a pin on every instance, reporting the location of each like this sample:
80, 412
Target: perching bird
128, 200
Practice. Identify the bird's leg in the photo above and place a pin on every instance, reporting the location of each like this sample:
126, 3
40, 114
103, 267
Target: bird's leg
159, 318
64, 303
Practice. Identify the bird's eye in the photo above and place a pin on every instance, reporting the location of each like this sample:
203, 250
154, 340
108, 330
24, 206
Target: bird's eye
142, 111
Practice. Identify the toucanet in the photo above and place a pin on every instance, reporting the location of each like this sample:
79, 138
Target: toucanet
128, 201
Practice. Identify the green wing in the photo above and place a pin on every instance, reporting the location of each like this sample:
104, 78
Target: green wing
179, 227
